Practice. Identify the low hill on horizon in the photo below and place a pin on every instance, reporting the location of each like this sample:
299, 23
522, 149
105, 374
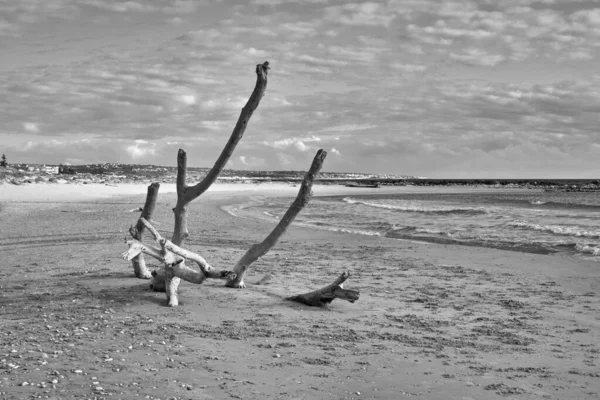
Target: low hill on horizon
111, 174
142, 170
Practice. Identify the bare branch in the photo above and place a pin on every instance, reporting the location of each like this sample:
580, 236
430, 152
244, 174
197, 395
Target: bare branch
182, 271
181, 173
151, 229
136, 248
259, 90
259, 250
139, 264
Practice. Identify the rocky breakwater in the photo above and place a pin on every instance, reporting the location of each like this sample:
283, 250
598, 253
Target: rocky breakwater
555, 185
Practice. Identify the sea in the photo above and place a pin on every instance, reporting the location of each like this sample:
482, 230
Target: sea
527, 221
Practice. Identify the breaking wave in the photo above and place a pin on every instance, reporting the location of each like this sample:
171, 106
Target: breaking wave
420, 209
557, 229
588, 249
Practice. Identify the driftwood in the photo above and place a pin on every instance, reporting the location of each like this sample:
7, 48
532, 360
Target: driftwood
258, 250
175, 270
173, 258
185, 194
324, 296
173, 255
139, 264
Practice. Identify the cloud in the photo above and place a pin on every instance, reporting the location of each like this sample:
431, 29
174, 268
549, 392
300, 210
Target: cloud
166, 6
188, 99
514, 30
8, 28
310, 60
367, 13
252, 162
296, 143
477, 57
31, 127
140, 149
285, 160
348, 128
416, 86
408, 67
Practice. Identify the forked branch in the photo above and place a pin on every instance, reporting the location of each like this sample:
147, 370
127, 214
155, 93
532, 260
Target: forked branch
185, 194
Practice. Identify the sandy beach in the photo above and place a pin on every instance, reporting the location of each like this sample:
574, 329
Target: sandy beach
433, 321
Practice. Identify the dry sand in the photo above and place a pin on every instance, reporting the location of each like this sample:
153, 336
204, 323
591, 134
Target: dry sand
433, 321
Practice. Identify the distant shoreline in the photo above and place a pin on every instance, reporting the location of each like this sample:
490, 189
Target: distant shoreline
83, 175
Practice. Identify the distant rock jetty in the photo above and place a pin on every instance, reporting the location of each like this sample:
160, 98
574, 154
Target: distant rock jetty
114, 174
550, 185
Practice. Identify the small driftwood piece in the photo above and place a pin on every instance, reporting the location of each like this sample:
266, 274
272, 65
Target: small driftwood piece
173, 257
139, 264
324, 296
236, 279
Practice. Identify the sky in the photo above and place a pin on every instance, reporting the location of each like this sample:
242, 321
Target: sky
431, 88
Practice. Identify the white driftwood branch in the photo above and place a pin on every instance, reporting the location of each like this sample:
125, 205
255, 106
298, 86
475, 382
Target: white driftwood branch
259, 250
324, 296
136, 248
173, 257
205, 267
139, 264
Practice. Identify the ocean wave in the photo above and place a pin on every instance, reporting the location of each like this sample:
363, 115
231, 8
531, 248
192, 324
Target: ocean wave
234, 209
231, 209
556, 229
268, 214
563, 205
567, 203
345, 230
419, 209
325, 226
415, 229
588, 249
449, 239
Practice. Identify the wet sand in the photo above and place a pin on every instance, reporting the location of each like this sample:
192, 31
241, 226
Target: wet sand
433, 321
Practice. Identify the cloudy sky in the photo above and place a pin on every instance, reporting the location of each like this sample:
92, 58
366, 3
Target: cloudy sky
461, 88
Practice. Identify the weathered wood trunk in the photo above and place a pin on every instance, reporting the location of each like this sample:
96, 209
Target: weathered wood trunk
185, 194
139, 264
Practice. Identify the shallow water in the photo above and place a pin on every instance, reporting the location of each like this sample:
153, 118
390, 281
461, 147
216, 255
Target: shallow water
534, 222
